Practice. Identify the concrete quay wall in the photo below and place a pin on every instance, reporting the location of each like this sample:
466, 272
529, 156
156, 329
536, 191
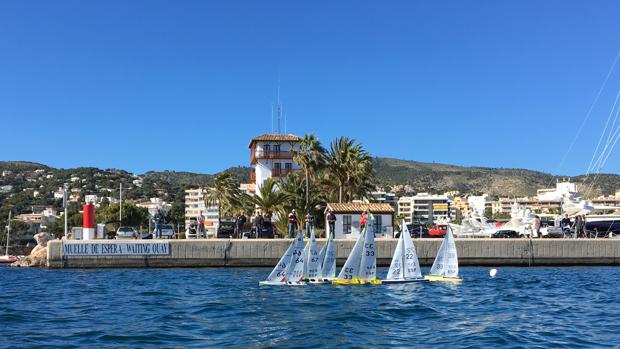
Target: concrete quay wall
266, 253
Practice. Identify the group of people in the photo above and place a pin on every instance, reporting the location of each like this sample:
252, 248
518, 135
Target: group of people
293, 223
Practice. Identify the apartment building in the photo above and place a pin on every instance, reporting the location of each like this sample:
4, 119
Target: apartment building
425, 208
195, 204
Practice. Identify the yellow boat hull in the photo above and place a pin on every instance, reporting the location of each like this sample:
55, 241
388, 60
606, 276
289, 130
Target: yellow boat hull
356, 282
442, 279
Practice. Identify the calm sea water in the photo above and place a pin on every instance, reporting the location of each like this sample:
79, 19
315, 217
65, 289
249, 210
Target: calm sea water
153, 308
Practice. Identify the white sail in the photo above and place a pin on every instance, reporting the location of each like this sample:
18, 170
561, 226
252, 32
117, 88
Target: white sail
328, 267
312, 262
368, 264
295, 270
396, 271
410, 258
350, 270
446, 263
279, 272
322, 255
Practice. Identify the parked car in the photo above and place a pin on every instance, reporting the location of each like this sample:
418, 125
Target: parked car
506, 234
226, 229
438, 230
416, 231
167, 231
192, 229
126, 233
267, 231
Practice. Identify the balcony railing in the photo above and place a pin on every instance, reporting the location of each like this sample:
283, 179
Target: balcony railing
280, 172
261, 154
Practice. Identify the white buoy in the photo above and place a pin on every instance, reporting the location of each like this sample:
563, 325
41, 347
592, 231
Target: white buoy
493, 272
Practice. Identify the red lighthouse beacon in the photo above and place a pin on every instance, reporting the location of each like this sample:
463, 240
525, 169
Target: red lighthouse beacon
88, 224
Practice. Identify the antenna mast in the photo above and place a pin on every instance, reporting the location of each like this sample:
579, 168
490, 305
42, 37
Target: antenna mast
278, 110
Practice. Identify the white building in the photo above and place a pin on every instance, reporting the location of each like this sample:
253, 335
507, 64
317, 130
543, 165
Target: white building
561, 190
405, 208
91, 198
477, 203
195, 204
271, 155
153, 205
348, 216
382, 197
425, 208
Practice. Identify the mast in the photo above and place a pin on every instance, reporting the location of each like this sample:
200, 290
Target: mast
8, 234
120, 206
402, 236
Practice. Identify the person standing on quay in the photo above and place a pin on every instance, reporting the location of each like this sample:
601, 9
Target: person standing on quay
364, 220
331, 221
239, 223
578, 226
258, 224
201, 225
292, 224
537, 227
309, 223
159, 217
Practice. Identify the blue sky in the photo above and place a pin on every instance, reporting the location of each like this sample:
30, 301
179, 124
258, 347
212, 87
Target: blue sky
184, 85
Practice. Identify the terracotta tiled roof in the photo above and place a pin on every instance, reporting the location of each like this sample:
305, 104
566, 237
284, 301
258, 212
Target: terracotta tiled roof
354, 207
276, 138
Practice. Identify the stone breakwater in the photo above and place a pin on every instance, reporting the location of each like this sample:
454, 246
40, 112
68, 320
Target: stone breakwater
38, 255
266, 253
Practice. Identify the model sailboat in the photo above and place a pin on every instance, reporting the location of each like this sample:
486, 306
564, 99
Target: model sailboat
289, 270
361, 266
328, 262
405, 266
446, 265
312, 261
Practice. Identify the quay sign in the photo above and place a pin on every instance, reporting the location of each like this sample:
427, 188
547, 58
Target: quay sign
116, 249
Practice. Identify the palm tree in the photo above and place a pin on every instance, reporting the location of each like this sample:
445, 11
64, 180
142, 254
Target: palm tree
337, 160
269, 198
224, 193
351, 166
360, 173
311, 157
298, 198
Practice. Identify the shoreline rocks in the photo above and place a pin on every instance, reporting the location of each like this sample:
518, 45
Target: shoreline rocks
38, 255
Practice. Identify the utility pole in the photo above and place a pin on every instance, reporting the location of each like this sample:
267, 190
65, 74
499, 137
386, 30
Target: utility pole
120, 211
65, 200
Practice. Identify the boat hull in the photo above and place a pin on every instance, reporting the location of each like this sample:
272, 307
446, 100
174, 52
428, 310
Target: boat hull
437, 278
319, 281
402, 281
356, 282
280, 283
8, 259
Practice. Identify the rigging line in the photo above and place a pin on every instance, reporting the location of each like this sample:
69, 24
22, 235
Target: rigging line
603, 161
602, 158
610, 137
613, 124
617, 135
587, 117
611, 112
